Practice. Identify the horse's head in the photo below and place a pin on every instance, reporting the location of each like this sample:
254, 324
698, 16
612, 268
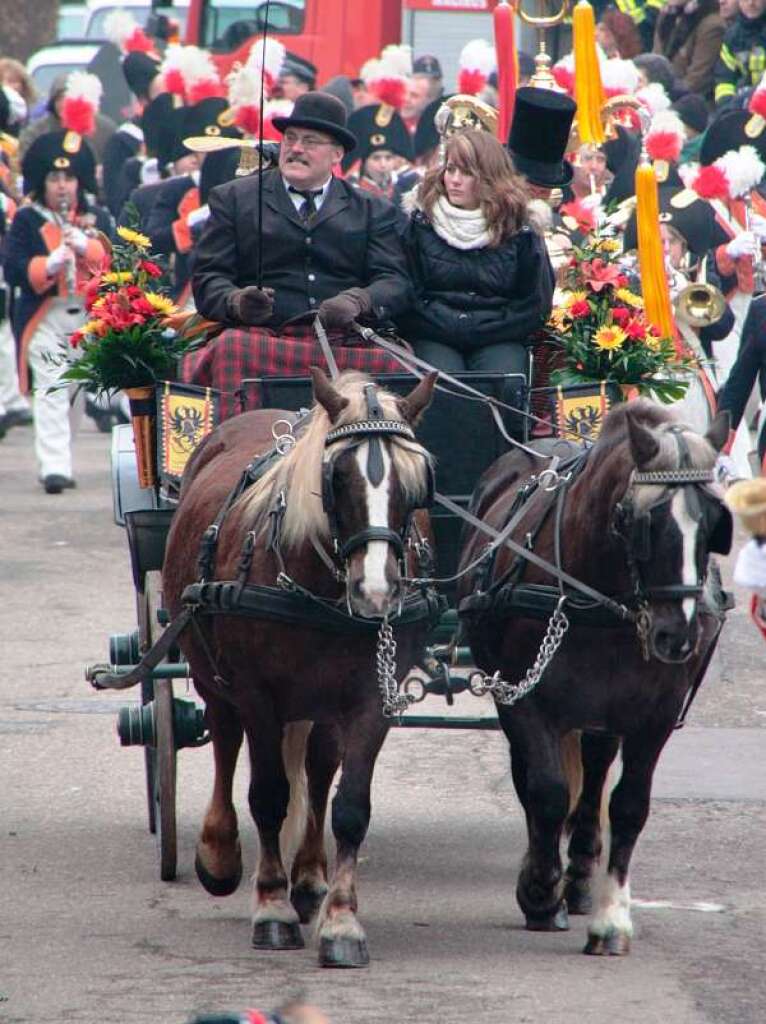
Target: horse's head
670, 520
374, 475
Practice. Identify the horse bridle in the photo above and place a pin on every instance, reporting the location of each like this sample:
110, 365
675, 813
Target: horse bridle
371, 429
634, 528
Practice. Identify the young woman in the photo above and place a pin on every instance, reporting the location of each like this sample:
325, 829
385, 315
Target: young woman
483, 280
55, 244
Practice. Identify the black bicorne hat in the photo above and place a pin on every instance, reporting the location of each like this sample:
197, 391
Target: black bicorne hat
211, 117
694, 219
155, 124
140, 70
728, 131
542, 120
58, 151
426, 135
224, 165
378, 126
322, 111
170, 146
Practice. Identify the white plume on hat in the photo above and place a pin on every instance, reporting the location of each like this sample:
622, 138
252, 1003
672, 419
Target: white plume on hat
477, 61
653, 97
83, 85
743, 168
386, 76
119, 25
618, 75
271, 61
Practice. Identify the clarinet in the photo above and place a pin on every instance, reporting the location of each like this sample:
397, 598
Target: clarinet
70, 270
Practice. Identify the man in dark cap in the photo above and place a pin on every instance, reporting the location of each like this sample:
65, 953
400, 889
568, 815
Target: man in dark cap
297, 76
425, 87
323, 246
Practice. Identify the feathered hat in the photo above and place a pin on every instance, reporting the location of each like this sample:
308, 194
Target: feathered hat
731, 176
664, 141
55, 151
81, 99
189, 73
476, 63
386, 76
245, 82
140, 61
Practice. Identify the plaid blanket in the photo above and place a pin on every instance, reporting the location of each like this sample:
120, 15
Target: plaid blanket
239, 354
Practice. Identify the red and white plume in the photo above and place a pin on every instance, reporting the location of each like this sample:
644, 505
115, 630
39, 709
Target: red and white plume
122, 29
189, 72
732, 175
275, 108
270, 58
386, 76
564, 74
653, 97
477, 61
619, 77
81, 100
665, 137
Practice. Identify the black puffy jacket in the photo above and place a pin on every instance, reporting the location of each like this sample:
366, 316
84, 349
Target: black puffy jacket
476, 297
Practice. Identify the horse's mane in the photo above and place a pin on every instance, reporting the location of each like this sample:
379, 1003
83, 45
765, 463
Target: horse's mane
299, 473
660, 420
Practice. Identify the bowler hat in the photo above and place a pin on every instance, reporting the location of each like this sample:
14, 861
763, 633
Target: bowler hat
322, 111
542, 120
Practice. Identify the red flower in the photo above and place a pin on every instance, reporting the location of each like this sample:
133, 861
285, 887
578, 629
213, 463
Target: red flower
599, 275
581, 215
150, 268
620, 315
75, 338
579, 308
622, 281
91, 291
635, 330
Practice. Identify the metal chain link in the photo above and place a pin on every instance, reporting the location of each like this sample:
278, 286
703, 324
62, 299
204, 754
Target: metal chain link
394, 703
509, 693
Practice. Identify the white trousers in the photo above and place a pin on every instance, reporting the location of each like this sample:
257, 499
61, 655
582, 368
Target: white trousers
56, 415
11, 399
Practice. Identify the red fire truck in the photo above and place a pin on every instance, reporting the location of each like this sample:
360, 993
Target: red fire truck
338, 36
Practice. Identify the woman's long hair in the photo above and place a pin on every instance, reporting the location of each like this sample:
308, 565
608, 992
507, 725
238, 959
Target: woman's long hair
501, 191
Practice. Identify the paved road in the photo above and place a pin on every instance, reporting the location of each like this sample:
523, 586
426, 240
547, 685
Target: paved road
89, 934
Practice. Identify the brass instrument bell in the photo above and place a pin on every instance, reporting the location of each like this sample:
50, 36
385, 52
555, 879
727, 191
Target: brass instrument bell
700, 305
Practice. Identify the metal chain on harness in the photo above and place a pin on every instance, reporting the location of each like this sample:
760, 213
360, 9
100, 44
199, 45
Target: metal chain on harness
509, 694
394, 703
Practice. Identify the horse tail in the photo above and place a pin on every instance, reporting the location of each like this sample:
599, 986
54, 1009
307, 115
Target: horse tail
571, 760
294, 742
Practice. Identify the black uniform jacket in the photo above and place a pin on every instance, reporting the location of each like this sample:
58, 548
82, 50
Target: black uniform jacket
749, 365
162, 223
121, 147
476, 297
351, 242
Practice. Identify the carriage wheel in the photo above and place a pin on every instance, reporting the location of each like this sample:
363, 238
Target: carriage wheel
145, 638
161, 758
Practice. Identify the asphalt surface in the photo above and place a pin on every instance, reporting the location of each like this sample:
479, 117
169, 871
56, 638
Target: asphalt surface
88, 932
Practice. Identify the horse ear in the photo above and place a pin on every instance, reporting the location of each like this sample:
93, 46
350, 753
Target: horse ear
324, 393
417, 401
718, 432
643, 444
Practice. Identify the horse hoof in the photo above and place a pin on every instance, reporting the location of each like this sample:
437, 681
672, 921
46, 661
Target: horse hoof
343, 953
306, 902
558, 921
578, 898
217, 886
277, 935
612, 944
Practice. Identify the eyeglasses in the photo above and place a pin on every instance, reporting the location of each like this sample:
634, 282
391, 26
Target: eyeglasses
290, 139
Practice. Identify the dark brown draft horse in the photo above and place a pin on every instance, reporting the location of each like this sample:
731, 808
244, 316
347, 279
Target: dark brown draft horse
637, 521
332, 517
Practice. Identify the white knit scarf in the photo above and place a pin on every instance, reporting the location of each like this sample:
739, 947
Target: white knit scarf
462, 229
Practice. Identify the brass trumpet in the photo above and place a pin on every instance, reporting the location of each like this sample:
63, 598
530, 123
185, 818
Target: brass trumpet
699, 305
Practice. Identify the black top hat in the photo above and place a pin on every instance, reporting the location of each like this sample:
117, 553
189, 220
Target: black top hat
695, 221
301, 68
726, 132
140, 70
542, 120
322, 111
378, 126
154, 123
427, 65
58, 151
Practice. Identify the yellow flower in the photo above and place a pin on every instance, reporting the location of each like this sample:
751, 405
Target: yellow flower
122, 277
162, 304
655, 344
134, 238
573, 297
92, 327
609, 337
559, 318
630, 298
608, 245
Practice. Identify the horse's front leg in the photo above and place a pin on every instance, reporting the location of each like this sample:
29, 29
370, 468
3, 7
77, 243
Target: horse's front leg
611, 929
342, 941
542, 788
309, 870
218, 860
275, 922
598, 752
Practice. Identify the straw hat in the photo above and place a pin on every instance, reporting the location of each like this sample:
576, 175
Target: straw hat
747, 498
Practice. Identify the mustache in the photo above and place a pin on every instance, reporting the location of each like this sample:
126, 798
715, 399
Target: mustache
297, 160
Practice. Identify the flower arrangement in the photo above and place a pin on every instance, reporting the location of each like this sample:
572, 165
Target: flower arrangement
132, 338
601, 328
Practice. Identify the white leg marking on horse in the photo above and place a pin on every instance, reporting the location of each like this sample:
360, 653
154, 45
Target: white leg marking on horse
612, 909
374, 584
688, 529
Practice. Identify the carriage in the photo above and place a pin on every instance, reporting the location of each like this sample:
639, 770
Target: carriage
468, 440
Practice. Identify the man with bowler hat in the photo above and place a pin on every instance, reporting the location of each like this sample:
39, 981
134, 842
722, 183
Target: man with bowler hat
322, 246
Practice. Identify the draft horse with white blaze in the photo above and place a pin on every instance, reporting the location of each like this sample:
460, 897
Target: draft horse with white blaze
635, 519
292, 666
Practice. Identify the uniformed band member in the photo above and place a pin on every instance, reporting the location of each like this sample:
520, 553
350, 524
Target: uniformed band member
383, 145
52, 250
325, 247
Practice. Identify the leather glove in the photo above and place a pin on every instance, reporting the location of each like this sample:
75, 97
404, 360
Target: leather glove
251, 306
745, 244
77, 239
343, 308
57, 259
